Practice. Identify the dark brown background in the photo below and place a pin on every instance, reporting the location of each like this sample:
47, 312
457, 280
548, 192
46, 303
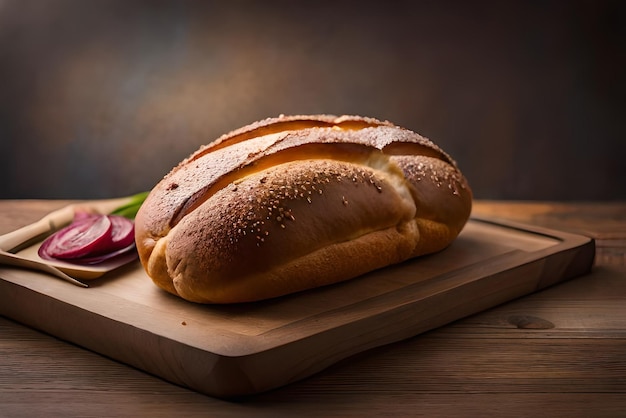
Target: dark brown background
101, 98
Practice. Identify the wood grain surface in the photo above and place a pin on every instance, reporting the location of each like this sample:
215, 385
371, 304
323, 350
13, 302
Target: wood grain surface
558, 352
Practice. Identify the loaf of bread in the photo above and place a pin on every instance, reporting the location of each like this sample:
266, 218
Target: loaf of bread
297, 202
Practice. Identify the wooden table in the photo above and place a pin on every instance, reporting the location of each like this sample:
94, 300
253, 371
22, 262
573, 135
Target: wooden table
559, 352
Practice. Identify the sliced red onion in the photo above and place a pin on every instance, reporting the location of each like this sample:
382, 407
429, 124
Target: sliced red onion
123, 233
80, 238
90, 239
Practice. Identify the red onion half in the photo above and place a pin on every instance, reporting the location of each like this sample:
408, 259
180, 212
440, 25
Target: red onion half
90, 239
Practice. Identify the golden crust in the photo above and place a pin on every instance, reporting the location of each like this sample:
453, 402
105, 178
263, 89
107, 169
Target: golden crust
292, 203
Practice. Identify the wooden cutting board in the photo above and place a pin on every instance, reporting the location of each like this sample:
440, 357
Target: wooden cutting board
228, 351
